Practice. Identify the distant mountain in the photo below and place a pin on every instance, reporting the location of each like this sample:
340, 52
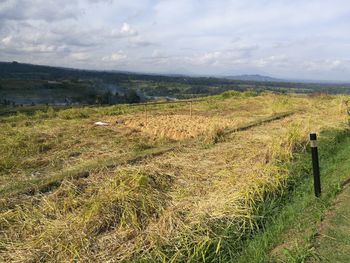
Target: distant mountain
255, 77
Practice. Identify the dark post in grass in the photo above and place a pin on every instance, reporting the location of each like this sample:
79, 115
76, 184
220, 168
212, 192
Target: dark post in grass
315, 164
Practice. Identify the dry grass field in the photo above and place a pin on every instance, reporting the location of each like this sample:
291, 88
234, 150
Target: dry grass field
167, 188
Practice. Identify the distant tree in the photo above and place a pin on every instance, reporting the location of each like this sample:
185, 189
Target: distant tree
116, 97
6, 102
91, 98
132, 97
107, 98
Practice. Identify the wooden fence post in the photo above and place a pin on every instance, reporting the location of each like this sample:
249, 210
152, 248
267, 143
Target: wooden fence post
315, 164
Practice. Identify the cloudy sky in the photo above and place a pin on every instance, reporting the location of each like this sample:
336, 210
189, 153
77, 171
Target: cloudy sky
281, 38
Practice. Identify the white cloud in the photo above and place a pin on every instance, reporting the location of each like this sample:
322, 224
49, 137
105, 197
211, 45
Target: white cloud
327, 65
272, 61
80, 56
47, 10
125, 31
115, 57
140, 43
7, 40
209, 58
39, 48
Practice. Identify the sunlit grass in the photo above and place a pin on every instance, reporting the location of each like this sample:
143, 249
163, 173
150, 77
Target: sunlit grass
192, 202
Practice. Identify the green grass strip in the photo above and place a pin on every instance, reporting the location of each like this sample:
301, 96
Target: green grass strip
290, 228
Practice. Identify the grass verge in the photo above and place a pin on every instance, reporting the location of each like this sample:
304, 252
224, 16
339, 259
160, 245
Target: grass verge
289, 223
333, 241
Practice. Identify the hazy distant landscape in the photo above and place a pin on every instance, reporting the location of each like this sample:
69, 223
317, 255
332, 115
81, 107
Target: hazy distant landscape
26, 84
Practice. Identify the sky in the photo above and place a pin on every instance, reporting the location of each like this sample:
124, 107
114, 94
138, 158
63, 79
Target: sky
293, 39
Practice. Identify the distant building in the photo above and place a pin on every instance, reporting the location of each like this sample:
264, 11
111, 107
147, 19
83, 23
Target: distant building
53, 82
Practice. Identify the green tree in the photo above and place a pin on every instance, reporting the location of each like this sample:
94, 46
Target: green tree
132, 97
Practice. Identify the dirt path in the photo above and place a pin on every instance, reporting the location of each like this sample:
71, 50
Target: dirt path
333, 244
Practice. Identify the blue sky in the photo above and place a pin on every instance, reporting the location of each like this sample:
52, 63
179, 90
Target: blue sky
282, 38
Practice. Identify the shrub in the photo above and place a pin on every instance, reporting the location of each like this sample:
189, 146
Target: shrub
141, 144
78, 113
230, 94
250, 93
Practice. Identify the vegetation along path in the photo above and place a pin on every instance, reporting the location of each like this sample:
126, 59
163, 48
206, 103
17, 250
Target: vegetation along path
303, 228
333, 244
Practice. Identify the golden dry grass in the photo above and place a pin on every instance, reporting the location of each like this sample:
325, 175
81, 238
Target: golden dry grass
171, 207
206, 118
